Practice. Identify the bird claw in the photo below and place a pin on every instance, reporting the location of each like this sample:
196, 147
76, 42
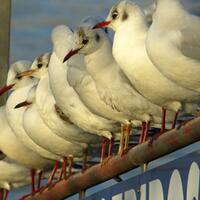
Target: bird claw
123, 152
105, 161
40, 190
27, 195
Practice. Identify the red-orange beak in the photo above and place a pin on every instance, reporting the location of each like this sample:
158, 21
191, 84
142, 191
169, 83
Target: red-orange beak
23, 104
5, 88
70, 54
101, 24
26, 73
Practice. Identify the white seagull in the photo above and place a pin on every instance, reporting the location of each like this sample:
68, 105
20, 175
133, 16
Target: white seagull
10, 145
173, 43
12, 173
52, 116
15, 116
112, 85
42, 135
69, 102
130, 26
49, 111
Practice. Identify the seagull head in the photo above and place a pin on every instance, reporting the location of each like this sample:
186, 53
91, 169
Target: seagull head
119, 15
86, 41
38, 68
14, 79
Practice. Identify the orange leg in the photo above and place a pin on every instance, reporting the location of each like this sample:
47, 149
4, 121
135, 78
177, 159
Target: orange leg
175, 119
146, 132
128, 130
39, 179
56, 166
64, 166
121, 145
71, 160
1, 194
163, 120
6, 192
103, 149
85, 155
111, 142
61, 174
142, 133
33, 180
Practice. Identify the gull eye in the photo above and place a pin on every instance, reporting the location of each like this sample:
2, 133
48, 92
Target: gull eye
39, 65
85, 41
114, 15
19, 77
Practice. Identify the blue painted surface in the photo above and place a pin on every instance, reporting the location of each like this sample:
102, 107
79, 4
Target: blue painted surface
162, 170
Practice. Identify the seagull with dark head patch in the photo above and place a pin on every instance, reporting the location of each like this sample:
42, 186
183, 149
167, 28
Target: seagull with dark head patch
112, 85
128, 21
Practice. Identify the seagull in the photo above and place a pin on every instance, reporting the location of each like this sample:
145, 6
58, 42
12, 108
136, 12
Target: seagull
173, 43
51, 114
83, 83
46, 138
15, 150
112, 85
129, 23
15, 116
69, 102
12, 173
10, 145
13, 176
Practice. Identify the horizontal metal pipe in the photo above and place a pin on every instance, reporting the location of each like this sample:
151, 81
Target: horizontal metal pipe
143, 153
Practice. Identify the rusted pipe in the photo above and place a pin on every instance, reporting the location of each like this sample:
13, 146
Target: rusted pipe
165, 144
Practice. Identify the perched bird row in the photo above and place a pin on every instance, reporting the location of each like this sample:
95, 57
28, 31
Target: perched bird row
92, 86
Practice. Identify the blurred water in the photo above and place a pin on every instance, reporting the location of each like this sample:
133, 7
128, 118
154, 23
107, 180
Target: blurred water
32, 22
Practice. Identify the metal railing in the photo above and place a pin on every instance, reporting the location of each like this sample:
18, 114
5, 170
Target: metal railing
143, 153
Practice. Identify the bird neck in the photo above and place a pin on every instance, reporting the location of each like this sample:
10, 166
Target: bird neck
57, 73
99, 63
41, 90
136, 27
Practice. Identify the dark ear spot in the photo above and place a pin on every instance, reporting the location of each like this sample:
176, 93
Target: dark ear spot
39, 65
124, 16
19, 77
97, 37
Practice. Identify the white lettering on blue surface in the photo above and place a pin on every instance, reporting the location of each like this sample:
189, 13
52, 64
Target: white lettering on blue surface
175, 191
